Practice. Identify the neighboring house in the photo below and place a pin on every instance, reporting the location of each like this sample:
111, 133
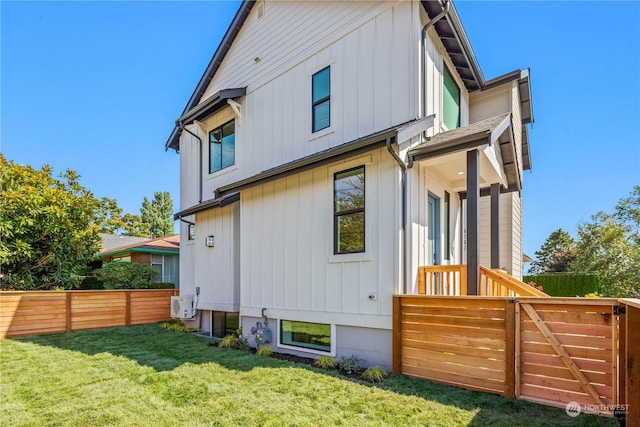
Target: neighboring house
163, 254
332, 148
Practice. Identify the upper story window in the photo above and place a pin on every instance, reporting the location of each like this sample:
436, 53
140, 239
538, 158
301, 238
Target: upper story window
321, 99
222, 147
348, 214
450, 101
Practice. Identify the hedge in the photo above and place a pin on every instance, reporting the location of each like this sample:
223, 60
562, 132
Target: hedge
567, 284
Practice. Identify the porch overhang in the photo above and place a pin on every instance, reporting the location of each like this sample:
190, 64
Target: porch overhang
203, 110
494, 136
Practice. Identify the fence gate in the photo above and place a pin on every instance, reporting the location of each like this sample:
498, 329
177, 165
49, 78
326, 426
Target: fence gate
568, 352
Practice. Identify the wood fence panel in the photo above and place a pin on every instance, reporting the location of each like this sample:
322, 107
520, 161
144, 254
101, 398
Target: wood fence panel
150, 306
630, 359
26, 313
568, 352
457, 341
39, 312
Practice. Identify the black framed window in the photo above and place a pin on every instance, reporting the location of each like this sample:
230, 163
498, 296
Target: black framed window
450, 100
222, 147
321, 99
349, 211
224, 323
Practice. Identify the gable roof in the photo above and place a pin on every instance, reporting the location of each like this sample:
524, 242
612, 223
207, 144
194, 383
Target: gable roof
449, 29
166, 245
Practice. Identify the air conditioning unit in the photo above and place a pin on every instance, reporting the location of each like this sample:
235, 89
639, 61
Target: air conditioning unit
182, 307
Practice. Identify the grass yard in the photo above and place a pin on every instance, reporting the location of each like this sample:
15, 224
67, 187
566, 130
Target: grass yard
148, 376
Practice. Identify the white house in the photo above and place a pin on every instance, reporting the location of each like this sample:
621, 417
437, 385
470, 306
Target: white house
329, 150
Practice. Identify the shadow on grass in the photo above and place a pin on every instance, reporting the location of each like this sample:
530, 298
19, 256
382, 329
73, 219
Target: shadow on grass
164, 350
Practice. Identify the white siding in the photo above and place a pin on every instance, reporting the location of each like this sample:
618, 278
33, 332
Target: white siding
287, 247
373, 77
490, 103
217, 272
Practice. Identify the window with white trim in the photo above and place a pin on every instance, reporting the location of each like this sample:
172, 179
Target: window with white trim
349, 211
321, 100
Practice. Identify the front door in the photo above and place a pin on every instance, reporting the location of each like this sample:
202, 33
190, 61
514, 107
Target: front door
433, 233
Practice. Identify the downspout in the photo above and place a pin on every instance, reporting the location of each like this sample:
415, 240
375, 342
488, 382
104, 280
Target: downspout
403, 246
445, 11
181, 126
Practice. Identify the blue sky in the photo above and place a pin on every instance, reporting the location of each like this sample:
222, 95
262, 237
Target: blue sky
97, 86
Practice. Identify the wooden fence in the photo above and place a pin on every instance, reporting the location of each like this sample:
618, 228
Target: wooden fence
39, 312
548, 350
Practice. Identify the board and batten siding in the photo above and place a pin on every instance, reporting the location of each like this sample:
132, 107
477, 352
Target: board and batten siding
372, 50
287, 248
217, 270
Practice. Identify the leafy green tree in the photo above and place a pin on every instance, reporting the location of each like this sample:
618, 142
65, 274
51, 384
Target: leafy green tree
126, 275
609, 245
555, 255
110, 216
133, 225
158, 214
48, 227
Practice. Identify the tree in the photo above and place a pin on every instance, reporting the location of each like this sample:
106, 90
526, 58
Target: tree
133, 225
110, 216
158, 214
609, 245
48, 227
555, 255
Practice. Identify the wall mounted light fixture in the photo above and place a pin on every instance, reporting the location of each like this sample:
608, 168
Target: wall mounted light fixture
209, 241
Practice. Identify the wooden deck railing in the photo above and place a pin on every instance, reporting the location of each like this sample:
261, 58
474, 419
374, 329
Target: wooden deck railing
448, 280
497, 283
451, 280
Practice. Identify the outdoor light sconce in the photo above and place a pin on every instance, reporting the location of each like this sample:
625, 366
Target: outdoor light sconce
209, 241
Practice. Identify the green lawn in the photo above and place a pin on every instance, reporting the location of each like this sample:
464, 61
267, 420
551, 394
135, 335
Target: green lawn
148, 376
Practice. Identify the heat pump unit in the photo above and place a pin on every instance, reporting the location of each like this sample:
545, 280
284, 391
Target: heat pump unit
182, 307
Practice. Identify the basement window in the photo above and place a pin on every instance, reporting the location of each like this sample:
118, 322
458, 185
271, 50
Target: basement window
314, 336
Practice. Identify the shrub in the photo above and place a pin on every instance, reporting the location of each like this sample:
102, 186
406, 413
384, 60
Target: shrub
350, 365
125, 275
264, 351
177, 326
234, 342
374, 374
566, 284
326, 362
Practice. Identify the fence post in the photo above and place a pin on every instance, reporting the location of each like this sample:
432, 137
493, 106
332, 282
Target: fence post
510, 347
127, 319
68, 310
397, 335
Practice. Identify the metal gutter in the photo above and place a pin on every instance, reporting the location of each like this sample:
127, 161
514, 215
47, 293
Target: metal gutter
219, 202
142, 250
